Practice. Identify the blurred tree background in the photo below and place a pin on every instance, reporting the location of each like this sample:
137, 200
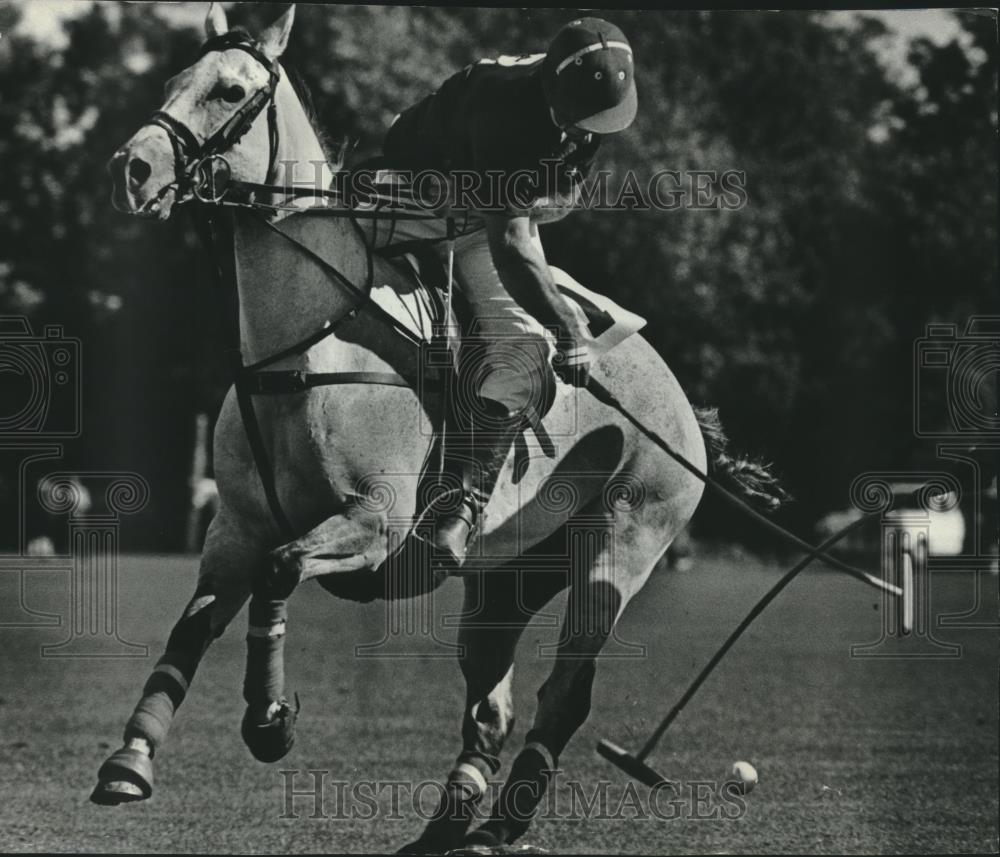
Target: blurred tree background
872, 206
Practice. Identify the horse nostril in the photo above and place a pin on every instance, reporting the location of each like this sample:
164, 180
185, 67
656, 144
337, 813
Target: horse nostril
138, 171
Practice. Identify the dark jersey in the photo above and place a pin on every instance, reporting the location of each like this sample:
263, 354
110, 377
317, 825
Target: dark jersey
492, 117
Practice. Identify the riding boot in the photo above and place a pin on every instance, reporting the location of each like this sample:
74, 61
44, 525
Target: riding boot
492, 432
437, 547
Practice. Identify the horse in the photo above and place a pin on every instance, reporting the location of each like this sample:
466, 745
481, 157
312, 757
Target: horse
344, 461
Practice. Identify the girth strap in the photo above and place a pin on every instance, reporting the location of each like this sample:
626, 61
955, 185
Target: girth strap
278, 382
263, 464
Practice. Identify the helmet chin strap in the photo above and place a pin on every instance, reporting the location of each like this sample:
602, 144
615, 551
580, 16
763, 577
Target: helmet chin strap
569, 129
555, 119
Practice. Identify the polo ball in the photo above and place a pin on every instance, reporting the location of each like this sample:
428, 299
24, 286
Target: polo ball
742, 778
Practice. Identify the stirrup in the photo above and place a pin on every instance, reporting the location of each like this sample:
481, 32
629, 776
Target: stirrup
468, 509
422, 563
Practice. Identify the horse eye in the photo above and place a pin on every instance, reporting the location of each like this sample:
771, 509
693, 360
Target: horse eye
233, 93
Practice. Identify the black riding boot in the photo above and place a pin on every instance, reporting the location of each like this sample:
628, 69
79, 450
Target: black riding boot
437, 547
487, 443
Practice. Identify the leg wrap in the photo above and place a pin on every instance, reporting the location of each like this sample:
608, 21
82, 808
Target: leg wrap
518, 800
470, 774
463, 790
486, 764
162, 695
264, 681
168, 684
525, 788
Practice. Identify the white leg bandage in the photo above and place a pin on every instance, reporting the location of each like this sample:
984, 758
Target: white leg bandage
464, 769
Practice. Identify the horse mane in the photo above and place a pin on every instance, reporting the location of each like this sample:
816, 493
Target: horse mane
333, 152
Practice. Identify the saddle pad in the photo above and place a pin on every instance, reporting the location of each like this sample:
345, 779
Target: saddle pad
398, 291
609, 323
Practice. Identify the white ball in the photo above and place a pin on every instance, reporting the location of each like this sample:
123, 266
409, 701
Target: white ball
742, 778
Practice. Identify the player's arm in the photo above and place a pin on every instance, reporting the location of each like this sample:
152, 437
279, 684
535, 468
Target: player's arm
526, 276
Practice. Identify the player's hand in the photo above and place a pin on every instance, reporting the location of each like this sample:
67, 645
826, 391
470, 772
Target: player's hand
573, 360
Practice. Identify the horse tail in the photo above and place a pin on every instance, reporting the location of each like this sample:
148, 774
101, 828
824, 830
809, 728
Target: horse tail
745, 477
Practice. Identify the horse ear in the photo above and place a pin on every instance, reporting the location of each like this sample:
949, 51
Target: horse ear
215, 22
274, 39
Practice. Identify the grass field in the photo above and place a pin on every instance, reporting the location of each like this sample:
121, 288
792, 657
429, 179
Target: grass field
855, 755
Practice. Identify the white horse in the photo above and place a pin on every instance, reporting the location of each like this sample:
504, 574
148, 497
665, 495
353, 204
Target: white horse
346, 459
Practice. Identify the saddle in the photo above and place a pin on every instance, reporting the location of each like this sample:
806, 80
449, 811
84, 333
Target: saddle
409, 289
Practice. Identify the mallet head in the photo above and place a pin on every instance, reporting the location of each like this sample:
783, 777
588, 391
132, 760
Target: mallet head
631, 765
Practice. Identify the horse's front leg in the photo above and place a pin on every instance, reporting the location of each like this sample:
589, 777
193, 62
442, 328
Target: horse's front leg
268, 726
228, 564
343, 551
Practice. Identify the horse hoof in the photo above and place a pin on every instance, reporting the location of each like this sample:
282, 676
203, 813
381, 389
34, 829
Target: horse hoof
271, 741
494, 838
495, 850
116, 792
424, 847
431, 845
487, 836
126, 777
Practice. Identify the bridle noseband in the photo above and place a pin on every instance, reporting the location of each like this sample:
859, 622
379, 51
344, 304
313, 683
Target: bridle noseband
192, 156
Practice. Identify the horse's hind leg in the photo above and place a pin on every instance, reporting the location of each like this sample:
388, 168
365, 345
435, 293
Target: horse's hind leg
498, 606
609, 566
227, 565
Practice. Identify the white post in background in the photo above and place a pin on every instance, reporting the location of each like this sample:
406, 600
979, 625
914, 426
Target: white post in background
907, 621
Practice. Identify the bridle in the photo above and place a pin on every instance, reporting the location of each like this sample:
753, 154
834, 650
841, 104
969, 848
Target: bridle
202, 171
194, 160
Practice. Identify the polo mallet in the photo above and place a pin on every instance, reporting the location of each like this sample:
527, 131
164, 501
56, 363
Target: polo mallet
447, 314
450, 275
635, 765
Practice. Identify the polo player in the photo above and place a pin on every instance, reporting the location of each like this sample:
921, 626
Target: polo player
529, 128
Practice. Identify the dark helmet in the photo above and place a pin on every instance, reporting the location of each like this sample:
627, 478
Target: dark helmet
589, 78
